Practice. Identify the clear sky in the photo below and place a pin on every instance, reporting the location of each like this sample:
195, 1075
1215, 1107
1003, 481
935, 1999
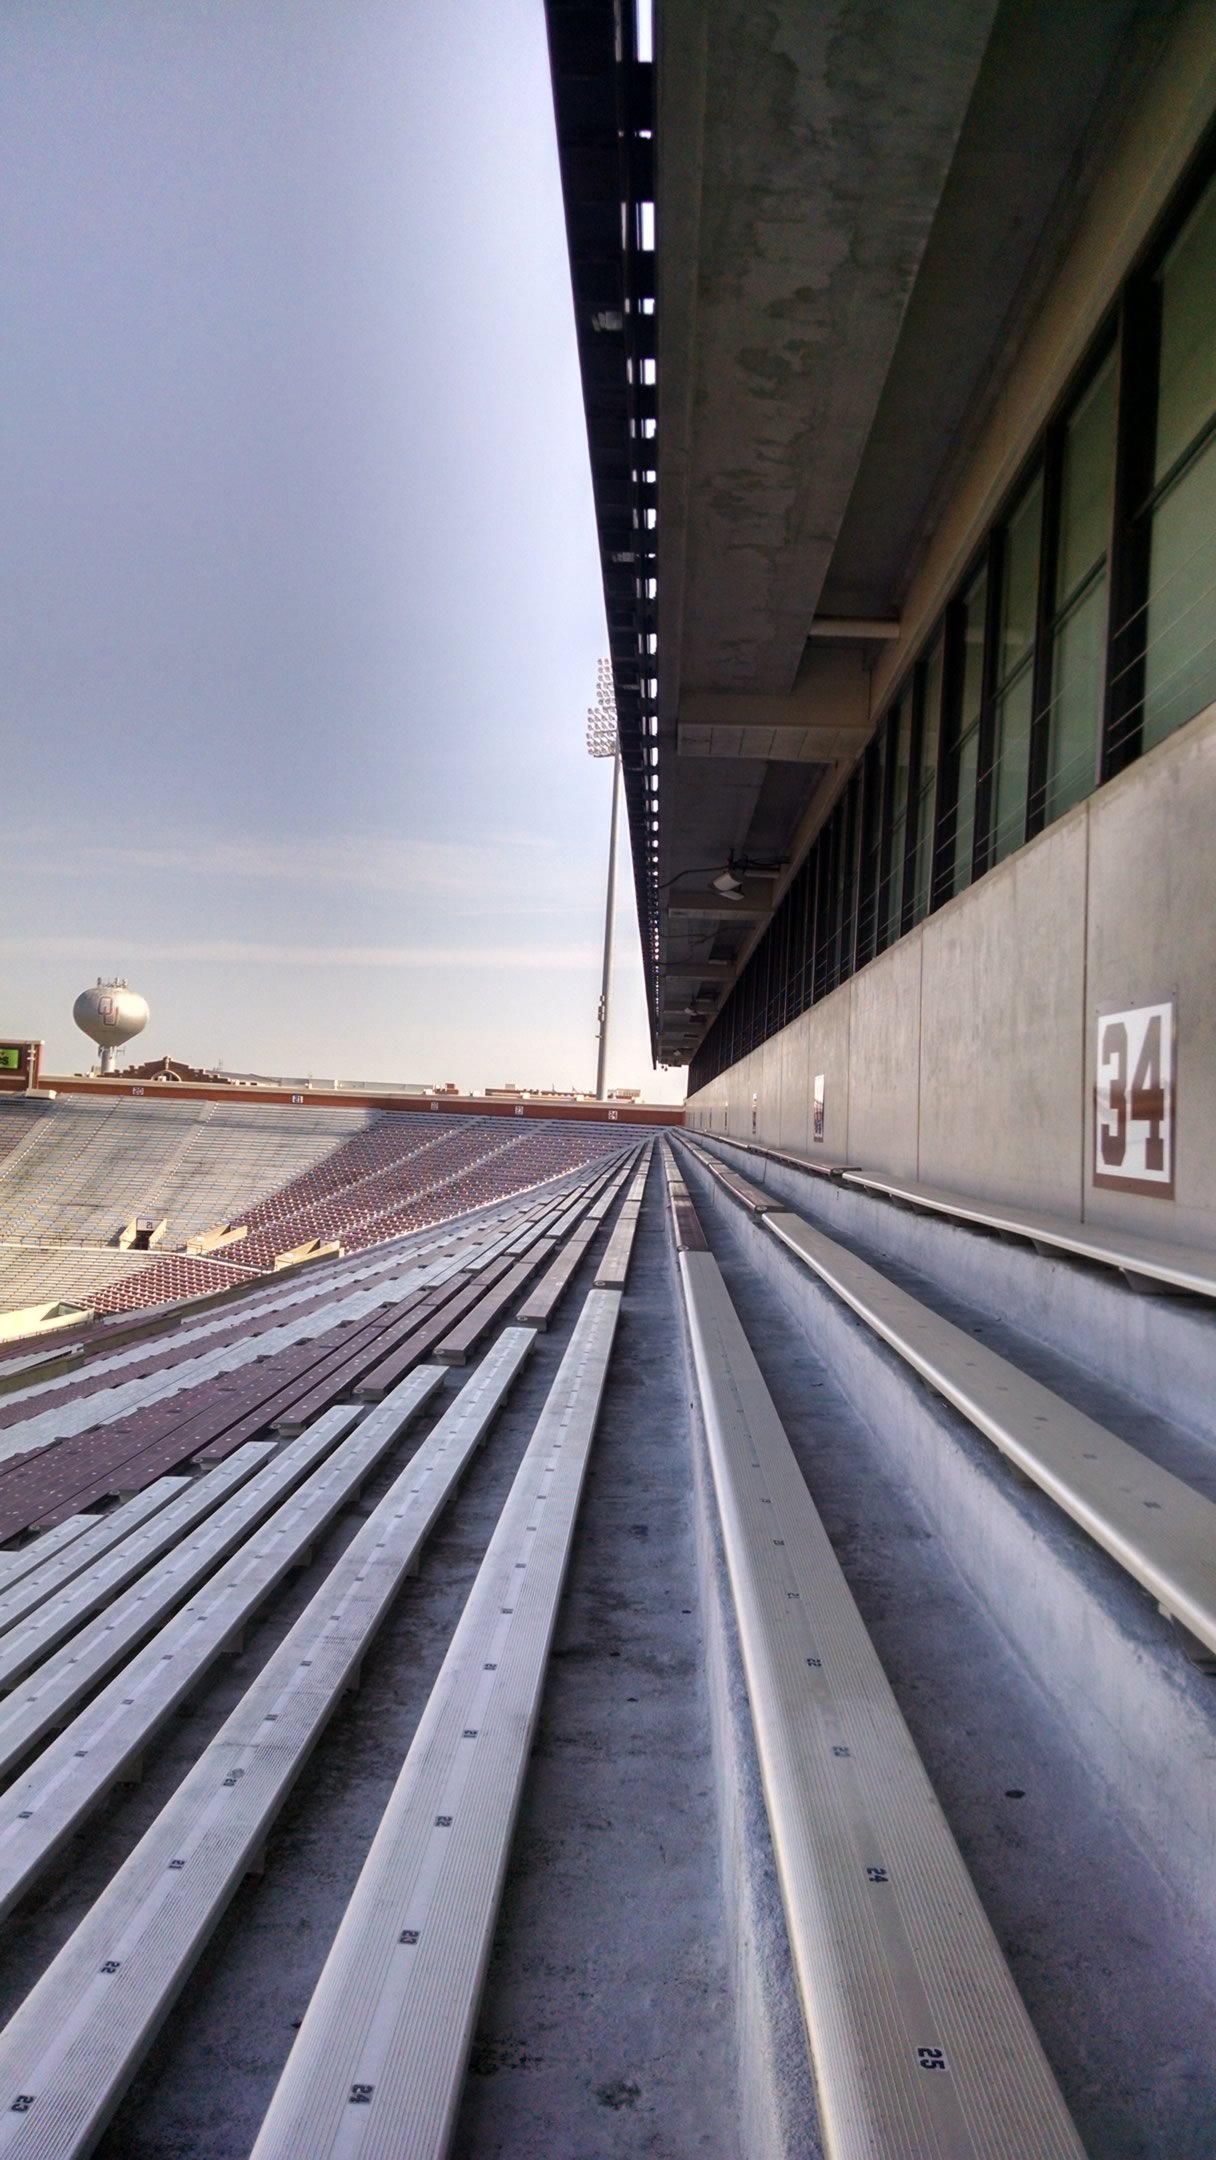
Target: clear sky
299, 595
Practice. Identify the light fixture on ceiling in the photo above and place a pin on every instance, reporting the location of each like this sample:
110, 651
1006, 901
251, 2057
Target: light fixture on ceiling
726, 883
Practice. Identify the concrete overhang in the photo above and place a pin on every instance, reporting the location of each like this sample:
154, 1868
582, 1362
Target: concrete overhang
823, 719
855, 209
802, 154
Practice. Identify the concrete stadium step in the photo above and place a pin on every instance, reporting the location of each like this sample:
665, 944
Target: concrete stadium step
1155, 1525
73, 2046
104, 1742
919, 2040
43, 1700
378, 2064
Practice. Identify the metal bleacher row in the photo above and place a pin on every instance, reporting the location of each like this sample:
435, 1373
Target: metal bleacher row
1155, 1525
1146, 1264
164, 1584
919, 2040
63, 1457
137, 1357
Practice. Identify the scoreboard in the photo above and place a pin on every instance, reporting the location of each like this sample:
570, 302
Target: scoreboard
19, 1064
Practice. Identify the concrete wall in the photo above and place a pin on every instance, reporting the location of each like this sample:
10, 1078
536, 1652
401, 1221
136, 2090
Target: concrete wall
964, 1057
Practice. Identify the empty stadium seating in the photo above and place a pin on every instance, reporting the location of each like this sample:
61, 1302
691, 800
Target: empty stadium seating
865, 1968
73, 1173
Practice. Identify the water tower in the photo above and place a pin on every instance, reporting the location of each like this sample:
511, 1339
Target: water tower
110, 1014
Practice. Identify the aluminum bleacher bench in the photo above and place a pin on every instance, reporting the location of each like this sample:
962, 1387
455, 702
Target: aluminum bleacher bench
541, 1219
686, 1223
43, 1698
314, 1395
820, 1165
578, 1205
546, 1295
920, 2043
378, 2064
750, 1196
1145, 1263
613, 1270
103, 1741
321, 1371
17, 1560
74, 2044
1155, 1525
326, 1379
67, 1558
455, 1346
543, 1223
35, 1633
603, 1206
467, 1292
59, 1554
217, 1414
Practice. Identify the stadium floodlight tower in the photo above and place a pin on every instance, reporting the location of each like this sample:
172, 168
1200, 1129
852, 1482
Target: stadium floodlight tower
604, 742
110, 1014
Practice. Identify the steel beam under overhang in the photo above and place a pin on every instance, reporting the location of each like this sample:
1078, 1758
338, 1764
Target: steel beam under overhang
752, 905
825, 717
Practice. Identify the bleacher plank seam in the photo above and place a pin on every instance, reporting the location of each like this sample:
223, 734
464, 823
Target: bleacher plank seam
34, 1639
67, 1558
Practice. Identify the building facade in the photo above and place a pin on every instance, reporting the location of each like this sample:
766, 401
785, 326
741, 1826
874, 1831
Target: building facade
933, 605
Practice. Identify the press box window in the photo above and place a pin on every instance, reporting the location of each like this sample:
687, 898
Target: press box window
1078, 642
1014, 703
1180, 629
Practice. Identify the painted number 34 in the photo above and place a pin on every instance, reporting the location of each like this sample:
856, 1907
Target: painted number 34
1134, 1098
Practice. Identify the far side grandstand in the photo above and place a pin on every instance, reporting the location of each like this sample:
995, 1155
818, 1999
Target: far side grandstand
116, 1194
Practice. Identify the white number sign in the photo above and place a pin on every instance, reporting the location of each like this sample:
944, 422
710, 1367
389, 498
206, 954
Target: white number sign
1134, 1103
